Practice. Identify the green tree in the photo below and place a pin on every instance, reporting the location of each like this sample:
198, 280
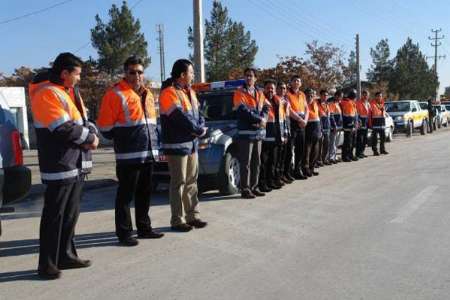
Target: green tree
381, 68
228, 46
118, 39
411, 75
351, 70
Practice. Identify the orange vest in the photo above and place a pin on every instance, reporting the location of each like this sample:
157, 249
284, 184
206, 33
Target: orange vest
297, 102
242, 97
313, 115
362, 108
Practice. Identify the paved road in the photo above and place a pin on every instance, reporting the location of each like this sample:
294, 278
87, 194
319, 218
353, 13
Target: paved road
373, 229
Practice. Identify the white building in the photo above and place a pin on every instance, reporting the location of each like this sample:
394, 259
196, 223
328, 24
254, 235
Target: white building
15, 98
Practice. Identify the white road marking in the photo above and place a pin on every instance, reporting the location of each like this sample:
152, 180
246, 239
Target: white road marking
414, 204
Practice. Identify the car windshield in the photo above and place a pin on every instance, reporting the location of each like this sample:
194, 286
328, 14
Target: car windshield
447, 106
423, 105
217, 107
397, 106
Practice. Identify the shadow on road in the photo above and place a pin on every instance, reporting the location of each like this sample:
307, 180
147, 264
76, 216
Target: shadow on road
31, 246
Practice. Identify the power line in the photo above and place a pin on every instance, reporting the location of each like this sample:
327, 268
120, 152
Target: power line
36, 12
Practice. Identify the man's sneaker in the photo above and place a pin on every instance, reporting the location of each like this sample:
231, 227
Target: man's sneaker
197, 223
128, 241
183, 227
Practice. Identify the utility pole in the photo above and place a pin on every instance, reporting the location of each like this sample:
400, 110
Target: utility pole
199, 65
436, 57
358, 73
160, 30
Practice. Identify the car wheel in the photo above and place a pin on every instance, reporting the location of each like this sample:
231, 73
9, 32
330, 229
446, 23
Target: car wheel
229, 175
423, 128
409, 129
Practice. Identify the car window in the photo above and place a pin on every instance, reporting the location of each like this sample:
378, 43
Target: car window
447, 106
423, 105
397, 106
217, 107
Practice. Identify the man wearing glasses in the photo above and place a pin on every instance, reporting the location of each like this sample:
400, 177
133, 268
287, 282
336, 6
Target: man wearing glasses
128, 116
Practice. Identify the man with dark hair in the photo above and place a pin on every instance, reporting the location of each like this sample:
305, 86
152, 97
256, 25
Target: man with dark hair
251, 121
349, 117
378, 123
269, 178
128, 116
313, 133
64, 140
284, 167
363, 109
298, 119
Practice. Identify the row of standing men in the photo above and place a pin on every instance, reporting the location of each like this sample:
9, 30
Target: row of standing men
284, 134
127, 115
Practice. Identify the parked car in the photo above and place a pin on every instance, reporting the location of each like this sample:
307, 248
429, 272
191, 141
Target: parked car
435, 120
442, 115
408, 116
15, 179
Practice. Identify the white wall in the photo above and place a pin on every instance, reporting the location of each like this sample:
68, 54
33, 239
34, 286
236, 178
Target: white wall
15, 98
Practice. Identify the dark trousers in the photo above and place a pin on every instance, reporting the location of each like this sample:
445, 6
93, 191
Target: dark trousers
249, 161
361, 141
324, 144
58, 221
134, 182
281, 161
375, 134
312, 137
269, 159
347, 147
288, 156
298, 138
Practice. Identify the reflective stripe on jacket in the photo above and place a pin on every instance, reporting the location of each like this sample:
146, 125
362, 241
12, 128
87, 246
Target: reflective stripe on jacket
250, 111
62, 130
129, 119
275, 128
181, 121
325, 117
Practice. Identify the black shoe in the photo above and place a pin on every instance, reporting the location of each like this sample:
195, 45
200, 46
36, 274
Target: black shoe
49, 273
286, 180
327, 163
375, 153
265, 189
290, 177
246, 194
307, 173
354, 158
74, 264
346, 159
319, 164
183, 227
384, 152
258, 193
274, 186
279, 182
128, 241
197, 223
364, 155
149, 234
314, 173
361, 156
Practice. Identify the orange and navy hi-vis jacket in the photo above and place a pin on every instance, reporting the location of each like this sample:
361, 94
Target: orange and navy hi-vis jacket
181, 121
130, 120
325, 117
275, 127
336, 115
250, 111
62, 129
363, 109
377, 117
349, 114
298, 104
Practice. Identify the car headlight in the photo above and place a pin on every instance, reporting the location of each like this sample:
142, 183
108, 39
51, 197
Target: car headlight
399, 118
